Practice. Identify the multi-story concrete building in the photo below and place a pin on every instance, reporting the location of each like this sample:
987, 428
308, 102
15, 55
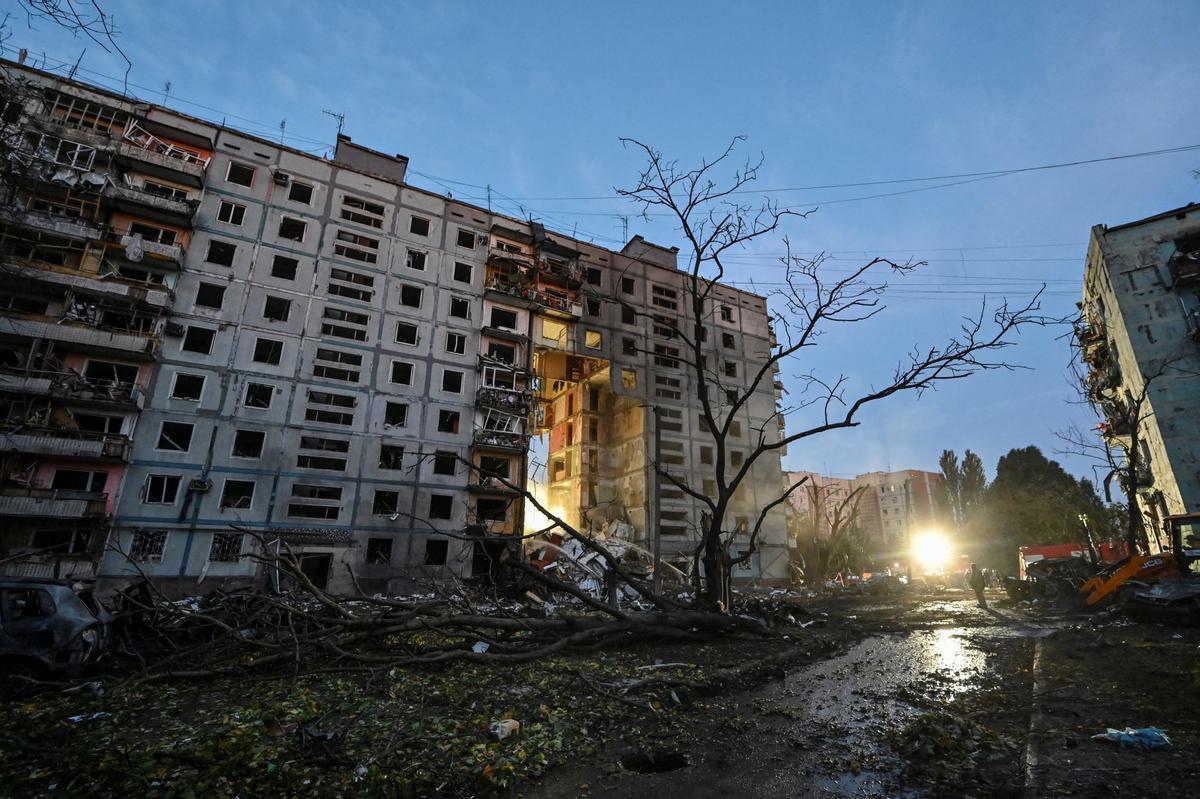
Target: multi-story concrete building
253, 346
891, 505
1140, 338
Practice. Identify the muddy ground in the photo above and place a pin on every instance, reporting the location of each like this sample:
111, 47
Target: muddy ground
865, 696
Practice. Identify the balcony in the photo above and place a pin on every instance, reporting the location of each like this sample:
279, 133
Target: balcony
137, 248
1185, 268
66, 443
108, 284
75, 387
83, 336
155, 156
49, 503
493, 439
531, 297
154, 206
561, 268
487, 484
66, 226
514, 401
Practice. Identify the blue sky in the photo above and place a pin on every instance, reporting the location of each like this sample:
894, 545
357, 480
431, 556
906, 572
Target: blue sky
531, 98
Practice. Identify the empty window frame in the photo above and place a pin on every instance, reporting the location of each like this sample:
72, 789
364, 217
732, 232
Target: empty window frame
463, 272
240, 174
324, 462
187, 387
333, 365
331, 408
379, 550
448, 421
161, 489
502, 352
395, 414
436, 550
237, 494
627, 285
445, 463
411, 295
231, 213
356, 247
460, 308
391, 457
210, 295
452, 381
418, 226
466, 239
456, 343
341, 330
385, 503
504, 318
415, 260
726, 313
258, 396
441, 506
593, 339
407, 333
362, 212
175, 437
351, 285
300, 193
276, 309
268, 351
248, 443
593, 275
728, 341
292, 229
663, 297
220, 253
284, 267
402, 373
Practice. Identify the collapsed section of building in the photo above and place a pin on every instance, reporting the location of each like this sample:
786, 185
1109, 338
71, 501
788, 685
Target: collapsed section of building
206, 338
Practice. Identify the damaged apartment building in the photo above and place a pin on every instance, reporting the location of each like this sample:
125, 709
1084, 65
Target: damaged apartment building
1140, 339
210, 343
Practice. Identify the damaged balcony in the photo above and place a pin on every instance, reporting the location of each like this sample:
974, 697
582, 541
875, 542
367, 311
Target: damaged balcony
114, 281
67, 443
150, 204
504, 399
531, 297
162, 158
501, 440
84, 336
51, 503
138, 248
72, 386
64, 225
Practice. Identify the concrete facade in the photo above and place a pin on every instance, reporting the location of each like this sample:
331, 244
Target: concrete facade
325, 347
1141, 323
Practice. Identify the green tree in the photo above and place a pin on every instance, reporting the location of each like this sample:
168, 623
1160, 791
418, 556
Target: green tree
963, 487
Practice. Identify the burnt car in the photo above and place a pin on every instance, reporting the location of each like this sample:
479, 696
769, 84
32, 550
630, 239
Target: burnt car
48, 629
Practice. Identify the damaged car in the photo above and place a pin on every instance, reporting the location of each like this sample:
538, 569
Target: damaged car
48, 629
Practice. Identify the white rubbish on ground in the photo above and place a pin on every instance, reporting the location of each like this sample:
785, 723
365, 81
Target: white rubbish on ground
503, 728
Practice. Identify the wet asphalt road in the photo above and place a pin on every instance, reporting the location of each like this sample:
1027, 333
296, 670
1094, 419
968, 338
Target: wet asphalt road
821, 731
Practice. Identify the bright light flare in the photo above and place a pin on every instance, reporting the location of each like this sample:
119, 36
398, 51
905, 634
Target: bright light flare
931, 550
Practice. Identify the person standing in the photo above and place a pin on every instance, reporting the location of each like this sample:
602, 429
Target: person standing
976, 582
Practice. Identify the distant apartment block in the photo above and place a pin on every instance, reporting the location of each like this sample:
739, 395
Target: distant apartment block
1141, 324
208, 341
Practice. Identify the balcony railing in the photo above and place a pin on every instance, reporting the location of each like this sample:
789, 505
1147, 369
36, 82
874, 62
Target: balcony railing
133, 244
135, 134
494, 438
82, 336
537, 297
484, 483
74, 386
183, 209
512, 401
1185, 268
51, 503
67, 443
567, 270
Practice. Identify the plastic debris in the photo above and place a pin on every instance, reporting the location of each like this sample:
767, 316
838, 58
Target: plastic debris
504, 728
92, 717
480, 647
1144, 737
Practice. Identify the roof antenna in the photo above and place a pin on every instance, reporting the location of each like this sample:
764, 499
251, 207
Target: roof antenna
282, 129
338, 115
166, 92
75, 68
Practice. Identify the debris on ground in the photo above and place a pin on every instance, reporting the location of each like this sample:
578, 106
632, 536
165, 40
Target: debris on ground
1142, 738
949, 752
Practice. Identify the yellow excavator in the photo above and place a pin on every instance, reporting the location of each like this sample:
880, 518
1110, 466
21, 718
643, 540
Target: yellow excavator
1134, 574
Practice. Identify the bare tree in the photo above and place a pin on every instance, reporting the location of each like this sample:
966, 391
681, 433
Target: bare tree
830, 538
706, 205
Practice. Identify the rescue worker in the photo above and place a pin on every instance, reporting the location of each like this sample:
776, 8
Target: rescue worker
976, 582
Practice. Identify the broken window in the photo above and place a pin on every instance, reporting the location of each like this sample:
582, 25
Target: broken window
402, 373
226, 548
292, 229
736, 457
410, 295
356, 247
175, 437
231, 213
238, 494
221, 253
593, 275
28, 603
503, 318
499, 422
352, 291
391, 457
406, 333
386, 503
277, 309
395, 414
663, 297
466, 239
452, 381
241, 174
363, 212
593, 339
727, 341
268, 350
111, 373
627, 285
492, 510
300, 192
628, 316
666, 356
445, 462
248, 443
146, 546
187, 387
456, 343
726, 313
448, 421
462, 272
435, 551
628, 379
341, 331
258, 395
593, 306
441, 506
706, 455
629, 346
415, 260
460, 308
492, 466
336, 372
161, 489
731, 368
379, 550
75, 480
418, 226
284, 267
151, 233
